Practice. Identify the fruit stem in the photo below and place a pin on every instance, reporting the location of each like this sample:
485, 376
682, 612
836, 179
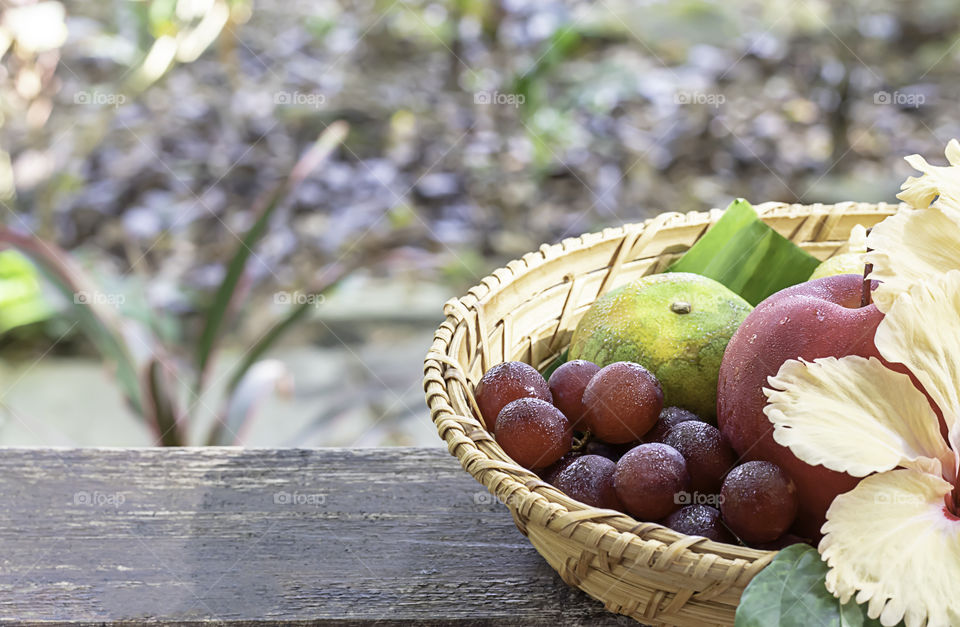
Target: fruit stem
865, 296
580, 444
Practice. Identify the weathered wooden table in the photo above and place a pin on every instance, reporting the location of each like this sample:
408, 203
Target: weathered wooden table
332, 536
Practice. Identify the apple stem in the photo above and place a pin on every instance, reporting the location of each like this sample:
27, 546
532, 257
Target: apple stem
866, 298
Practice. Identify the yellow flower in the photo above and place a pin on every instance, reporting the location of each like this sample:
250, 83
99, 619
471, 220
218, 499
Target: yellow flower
894, 540
923, 240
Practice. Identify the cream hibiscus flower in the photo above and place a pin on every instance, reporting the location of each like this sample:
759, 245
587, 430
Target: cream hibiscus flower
893, 542
922, 240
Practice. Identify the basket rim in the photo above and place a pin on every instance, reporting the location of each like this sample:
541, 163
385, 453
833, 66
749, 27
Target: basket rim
525, 494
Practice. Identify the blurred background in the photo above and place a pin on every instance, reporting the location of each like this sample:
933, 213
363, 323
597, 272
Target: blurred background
161, 284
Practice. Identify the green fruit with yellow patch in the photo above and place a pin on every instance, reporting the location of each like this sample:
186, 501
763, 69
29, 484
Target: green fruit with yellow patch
676, 325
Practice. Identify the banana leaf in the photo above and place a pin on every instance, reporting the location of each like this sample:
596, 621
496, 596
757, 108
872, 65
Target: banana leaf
749, 257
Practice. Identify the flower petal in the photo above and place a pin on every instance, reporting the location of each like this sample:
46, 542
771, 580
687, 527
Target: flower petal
854, 415
909, 247
890, 542
922, 331
857, 242
940, 183
953, 152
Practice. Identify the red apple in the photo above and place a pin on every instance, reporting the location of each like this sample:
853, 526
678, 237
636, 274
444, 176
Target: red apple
821, 318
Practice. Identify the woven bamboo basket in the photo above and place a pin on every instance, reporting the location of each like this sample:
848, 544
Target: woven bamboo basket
527, 311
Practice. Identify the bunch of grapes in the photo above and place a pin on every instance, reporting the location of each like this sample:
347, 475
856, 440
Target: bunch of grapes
603, 437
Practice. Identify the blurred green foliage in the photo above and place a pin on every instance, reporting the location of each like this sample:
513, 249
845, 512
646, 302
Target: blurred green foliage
154, 373
21, 296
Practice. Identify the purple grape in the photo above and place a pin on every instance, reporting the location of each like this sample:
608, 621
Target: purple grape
505, 383
758, 502
567, 384
700, 520
589, 479
533, 432
708, 454
649, 479
669, 417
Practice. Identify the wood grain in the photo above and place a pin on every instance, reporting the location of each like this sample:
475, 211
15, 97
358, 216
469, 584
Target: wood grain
328, 536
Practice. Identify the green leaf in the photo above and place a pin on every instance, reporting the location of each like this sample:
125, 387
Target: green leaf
747, 256
224, 300
790, 592
21, 296
161, 405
